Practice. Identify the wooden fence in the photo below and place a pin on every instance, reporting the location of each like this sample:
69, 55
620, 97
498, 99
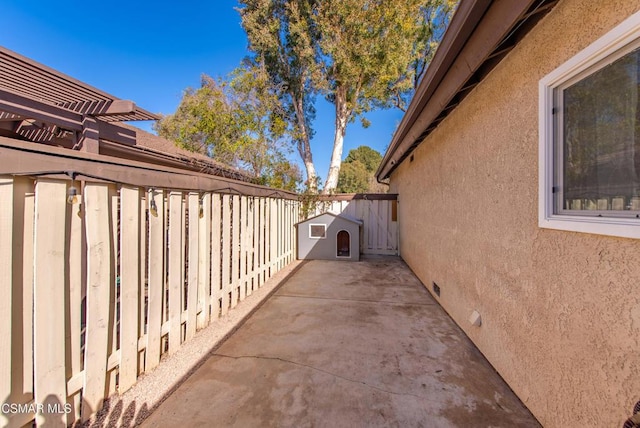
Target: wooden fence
378, 213
94, 293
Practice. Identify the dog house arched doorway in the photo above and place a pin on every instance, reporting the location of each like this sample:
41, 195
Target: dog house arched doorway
343, 244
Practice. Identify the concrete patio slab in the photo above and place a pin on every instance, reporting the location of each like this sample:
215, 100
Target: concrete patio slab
346, 344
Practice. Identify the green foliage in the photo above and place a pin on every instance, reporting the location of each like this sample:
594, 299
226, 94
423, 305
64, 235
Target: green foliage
237, 121
353, 178
369, 157
357, 172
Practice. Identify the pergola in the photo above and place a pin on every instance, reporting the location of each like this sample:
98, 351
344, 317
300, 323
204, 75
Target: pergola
42, 105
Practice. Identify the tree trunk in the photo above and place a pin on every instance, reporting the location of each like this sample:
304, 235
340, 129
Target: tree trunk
304, 148
342, 117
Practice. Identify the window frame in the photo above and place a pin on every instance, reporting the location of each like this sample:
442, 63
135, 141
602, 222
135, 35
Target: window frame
616, 43
324, 235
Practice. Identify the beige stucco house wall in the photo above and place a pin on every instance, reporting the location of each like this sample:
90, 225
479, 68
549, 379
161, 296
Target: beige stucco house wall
560, 310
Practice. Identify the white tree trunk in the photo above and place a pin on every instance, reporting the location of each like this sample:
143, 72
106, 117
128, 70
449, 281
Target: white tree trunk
336, 154
304, 148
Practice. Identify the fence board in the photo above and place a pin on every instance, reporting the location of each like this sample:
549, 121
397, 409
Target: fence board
216, 220
273, 232
156, 280
250, 246
226, 252
129, 285
175, 262
20, 354
49, 281
112, 341
266, 221
77, 272
144, 271
235, 246
204, 262
99, 284
6, 284
193, 267
256, 243
244, 213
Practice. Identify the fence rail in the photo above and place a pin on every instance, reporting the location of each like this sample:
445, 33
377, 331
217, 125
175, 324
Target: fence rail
94, 293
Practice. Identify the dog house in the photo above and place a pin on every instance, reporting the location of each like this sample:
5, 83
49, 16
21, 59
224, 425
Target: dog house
329, 236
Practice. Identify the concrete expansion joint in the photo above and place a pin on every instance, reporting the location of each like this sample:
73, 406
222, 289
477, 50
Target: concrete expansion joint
337, 376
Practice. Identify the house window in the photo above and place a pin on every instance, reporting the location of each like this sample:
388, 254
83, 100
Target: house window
590, 138
317, 231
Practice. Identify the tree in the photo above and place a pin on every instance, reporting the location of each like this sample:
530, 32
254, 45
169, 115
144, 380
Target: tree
281, 34
237, 121
369, 157
435, 18
357, 172
358, 54
353, 178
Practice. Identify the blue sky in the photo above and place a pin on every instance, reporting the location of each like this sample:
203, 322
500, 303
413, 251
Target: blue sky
149, 52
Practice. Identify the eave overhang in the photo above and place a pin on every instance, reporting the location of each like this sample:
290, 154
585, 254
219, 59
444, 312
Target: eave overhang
481, 33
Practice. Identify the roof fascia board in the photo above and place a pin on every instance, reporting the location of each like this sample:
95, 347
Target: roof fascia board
489, 30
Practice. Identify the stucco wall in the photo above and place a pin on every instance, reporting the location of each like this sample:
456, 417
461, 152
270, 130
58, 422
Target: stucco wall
560, 310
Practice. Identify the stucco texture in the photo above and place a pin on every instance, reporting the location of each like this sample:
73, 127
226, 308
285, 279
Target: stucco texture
560, 310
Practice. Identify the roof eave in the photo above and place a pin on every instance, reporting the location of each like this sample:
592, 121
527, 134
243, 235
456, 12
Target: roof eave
472, 45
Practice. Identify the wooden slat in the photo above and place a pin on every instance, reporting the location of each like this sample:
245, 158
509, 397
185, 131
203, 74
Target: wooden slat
21, 300
273, 235
216, 282
77, 288
129, 285
49, 281
113, 337
204, 262
99, 269
281, 225
253, 279
226, 252
264, 234
144, 272
193, 267
156, 280
6, 284
235, 246
244, 214
175, 261
27, 283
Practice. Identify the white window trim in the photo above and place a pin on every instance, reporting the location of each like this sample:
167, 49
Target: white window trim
622, 35
318, 237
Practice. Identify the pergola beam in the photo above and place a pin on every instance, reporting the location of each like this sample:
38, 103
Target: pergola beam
118, 107
31, 109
